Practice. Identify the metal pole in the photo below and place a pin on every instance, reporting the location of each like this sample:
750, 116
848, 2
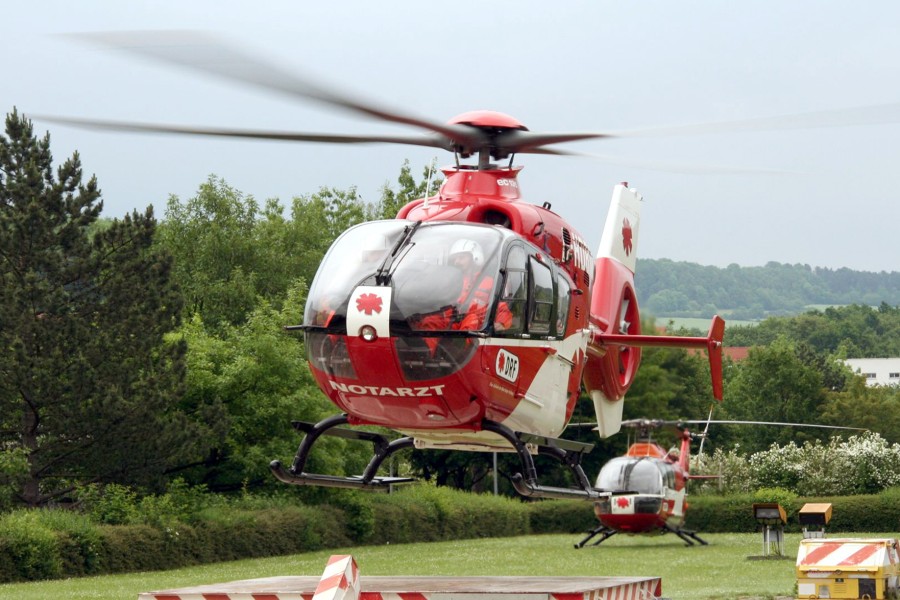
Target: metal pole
496, 490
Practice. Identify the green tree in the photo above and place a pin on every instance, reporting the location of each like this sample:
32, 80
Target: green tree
255, 375
409, 189
876, 408
853, 331
316, 220
216, 254
88, 386
773, 384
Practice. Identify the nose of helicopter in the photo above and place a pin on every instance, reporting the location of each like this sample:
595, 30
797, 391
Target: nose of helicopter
381, 392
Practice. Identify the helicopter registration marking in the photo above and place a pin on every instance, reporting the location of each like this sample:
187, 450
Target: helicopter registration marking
376, 390
507, 365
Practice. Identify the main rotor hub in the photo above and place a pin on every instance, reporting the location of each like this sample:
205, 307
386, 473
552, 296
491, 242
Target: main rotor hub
488, 119
495, 129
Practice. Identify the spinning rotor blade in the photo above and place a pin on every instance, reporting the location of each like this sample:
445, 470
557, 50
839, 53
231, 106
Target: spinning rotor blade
845, 117
207, 54
526, 142
428, 141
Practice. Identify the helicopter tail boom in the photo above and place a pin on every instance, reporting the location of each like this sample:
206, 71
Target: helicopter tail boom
712, 343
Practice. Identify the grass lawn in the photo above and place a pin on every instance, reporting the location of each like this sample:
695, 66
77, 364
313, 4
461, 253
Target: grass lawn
721, 570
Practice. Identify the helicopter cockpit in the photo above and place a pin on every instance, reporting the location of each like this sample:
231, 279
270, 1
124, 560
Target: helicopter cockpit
437, 273
442, 283
641, 475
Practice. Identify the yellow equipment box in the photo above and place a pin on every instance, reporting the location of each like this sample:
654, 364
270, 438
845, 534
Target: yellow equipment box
848, 568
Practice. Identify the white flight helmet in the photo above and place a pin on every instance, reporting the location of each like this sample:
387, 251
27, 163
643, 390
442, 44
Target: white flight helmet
470, 246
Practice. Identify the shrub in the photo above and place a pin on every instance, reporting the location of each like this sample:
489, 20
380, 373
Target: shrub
359, 515
78, 538
863, 464
429, 513
180, 504
786, 498
717, 514
400, 518
29, 546
730, 468
561, 516
111, 504
114, 504
128, 548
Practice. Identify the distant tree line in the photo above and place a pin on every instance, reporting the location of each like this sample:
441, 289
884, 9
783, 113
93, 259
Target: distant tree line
667, 288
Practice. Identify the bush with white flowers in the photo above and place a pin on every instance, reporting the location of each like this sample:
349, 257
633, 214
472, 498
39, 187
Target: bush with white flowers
861, 464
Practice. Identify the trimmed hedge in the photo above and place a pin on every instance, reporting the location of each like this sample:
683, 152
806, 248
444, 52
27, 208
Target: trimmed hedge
562, 516
875, 513
39, 545
48, 544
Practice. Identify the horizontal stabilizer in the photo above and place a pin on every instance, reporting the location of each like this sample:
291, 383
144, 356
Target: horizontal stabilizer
712, 343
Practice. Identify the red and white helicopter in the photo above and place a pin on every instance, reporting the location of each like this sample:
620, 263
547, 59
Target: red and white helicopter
487, 360
472, 320
648, 488
648, 484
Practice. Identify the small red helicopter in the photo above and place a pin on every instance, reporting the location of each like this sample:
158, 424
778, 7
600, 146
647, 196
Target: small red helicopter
648, 484
473, 319
649, 488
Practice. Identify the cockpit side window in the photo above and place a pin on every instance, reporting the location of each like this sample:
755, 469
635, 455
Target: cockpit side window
515, 288
542, 298
563, 296
668, 474
535, 293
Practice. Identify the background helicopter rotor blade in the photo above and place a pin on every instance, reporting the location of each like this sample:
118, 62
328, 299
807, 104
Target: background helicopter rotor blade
676, 422
731, 422
705, 429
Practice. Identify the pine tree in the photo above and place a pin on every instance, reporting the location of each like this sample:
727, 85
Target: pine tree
89, 386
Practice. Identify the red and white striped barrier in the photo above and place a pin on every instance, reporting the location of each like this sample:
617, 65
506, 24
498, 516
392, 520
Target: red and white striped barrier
340, 581
846, 553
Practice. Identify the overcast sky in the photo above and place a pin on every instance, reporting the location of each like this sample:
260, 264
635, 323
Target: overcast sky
824, 197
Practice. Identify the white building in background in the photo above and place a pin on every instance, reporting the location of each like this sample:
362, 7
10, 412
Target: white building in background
877, 371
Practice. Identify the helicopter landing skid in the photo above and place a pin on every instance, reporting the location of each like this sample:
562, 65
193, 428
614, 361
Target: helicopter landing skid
602, 530
689, 537
565, 451
367, 481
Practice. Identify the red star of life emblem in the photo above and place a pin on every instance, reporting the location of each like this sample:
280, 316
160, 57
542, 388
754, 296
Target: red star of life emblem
626, 237
623, 502
369, 303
